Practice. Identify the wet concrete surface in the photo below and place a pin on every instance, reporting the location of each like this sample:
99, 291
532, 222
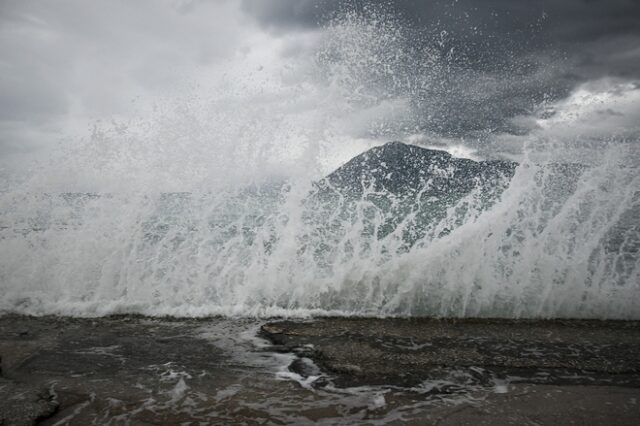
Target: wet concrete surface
137, 370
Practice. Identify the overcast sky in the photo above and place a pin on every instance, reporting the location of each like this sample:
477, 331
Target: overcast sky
67, 63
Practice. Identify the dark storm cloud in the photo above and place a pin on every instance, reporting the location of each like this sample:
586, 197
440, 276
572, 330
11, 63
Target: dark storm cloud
587, 29
509, 55
567, 20
286, 14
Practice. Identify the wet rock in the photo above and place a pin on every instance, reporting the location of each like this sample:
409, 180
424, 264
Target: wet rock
271, 329
406, 352
347, 369
22, 404
182, 371
304, 367
102, 367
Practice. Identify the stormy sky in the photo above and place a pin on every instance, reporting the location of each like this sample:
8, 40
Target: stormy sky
505, 69
509, 59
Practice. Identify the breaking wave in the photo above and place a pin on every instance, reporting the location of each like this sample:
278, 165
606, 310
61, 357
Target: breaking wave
213, 204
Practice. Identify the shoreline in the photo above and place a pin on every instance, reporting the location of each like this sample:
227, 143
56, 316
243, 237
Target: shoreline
339, 370
339, 315
358, 351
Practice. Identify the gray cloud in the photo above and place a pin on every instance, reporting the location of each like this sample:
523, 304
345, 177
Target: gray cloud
490, 30
503, 58
569, 20
68, 62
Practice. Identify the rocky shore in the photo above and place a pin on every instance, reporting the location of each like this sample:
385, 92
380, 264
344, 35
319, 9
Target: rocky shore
406, 352
137, 370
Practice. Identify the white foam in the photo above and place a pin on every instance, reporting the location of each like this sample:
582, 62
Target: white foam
232, 245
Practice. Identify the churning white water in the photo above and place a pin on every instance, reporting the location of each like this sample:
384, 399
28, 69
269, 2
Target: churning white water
202, 206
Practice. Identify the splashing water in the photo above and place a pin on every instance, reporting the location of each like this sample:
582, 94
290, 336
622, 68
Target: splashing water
208, 207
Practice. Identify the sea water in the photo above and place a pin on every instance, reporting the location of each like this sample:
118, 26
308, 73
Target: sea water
202, 205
